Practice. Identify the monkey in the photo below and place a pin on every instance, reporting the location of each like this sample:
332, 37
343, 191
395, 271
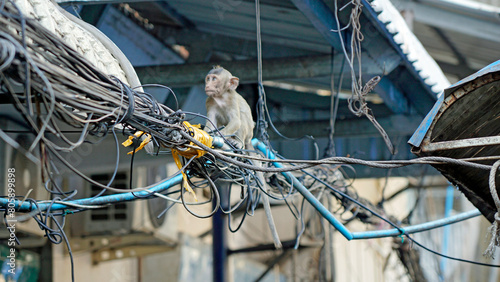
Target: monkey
225, 107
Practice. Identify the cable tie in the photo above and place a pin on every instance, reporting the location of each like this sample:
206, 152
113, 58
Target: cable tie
401, 236
68, 212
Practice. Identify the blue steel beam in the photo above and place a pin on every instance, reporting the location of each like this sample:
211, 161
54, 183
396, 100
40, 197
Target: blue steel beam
219, 236
322, 18
144, 49
166, 9
393, 98
419, 93
448, 206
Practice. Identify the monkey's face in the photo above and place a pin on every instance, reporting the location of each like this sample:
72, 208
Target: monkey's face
214, 85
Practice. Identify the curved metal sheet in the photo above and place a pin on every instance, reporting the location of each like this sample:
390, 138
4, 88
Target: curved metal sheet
417, 137
422, 130
493, 67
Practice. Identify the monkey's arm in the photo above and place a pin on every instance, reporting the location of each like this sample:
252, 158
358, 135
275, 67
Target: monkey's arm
211, 123
234, 120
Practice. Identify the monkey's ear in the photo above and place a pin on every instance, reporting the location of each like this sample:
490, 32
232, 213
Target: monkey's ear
234, 82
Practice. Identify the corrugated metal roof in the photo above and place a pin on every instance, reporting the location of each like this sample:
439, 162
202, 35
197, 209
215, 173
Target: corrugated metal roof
282, 24
471, 31
478, 52
286, 26
411, 46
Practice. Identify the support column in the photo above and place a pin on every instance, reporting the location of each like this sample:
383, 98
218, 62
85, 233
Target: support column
219, 236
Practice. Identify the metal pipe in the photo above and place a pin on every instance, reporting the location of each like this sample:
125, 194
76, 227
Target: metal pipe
303, 190
115, 198
367, 234
108, 199
290, 244
448, 206
219, 236
416, 228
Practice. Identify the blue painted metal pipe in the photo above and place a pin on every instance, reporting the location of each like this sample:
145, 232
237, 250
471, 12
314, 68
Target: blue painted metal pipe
367, 234
303, 190
109, 199
416, 228
448, 206
115, 198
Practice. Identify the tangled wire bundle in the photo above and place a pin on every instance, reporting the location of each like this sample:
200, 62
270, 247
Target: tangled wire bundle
61, 84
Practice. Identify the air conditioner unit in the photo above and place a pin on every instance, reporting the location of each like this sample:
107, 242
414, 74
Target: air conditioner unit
27, 177
138, 217
132, 223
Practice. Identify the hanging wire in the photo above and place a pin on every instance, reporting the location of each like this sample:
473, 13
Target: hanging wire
357, 101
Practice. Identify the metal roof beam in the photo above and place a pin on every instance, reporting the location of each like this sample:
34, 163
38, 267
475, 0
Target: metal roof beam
92, 13
92, 2
246, 70
406, 77
393, 98
458, 55
395, 125
166, 9
144, 49
192, 39
324, 21
430, 13
458, 70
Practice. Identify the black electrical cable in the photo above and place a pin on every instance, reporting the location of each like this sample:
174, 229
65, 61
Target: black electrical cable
214, 191
117, 162
55, 237
302, 225
161, 86
401, 230
229, 215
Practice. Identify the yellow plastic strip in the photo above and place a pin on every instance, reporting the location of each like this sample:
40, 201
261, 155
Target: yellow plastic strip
177, 161
143, 143
130, 141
